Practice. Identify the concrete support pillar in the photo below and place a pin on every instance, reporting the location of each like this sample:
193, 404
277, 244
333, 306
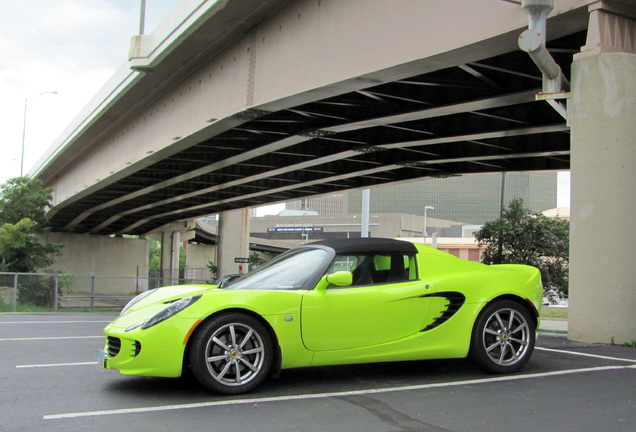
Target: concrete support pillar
172, 236
124, 261
602, 116
170, 257
234, 241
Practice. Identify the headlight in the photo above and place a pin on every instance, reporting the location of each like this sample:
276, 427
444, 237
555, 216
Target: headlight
137, 300
169, 311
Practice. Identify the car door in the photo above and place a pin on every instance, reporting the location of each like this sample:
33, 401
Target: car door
382, 305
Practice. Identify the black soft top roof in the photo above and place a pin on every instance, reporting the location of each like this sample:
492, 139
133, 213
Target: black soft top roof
368, 245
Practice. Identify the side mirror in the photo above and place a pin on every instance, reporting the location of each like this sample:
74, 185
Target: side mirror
341, 278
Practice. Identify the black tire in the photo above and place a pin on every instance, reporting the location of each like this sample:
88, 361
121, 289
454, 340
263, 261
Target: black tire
503, 337
231, 354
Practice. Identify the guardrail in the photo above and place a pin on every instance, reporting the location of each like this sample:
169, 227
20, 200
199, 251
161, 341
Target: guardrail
63, 291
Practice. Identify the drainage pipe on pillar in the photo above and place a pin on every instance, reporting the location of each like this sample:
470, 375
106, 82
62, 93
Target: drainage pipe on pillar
533, 42
538, 11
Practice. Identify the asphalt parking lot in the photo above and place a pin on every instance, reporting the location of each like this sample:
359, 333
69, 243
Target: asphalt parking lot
50, 382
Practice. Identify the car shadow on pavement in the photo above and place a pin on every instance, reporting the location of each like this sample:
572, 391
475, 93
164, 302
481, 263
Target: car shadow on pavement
322, 379
375, 375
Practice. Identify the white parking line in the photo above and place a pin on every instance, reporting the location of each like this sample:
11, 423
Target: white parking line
50, 338
93, 363
584, 354
328, 395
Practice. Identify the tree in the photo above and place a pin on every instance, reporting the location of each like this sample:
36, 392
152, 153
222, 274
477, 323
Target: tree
23, 204
214, 269
520, 236
255, 261
22, 197
154, 258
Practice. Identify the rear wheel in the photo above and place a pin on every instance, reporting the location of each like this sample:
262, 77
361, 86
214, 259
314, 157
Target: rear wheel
231, 354
503, 337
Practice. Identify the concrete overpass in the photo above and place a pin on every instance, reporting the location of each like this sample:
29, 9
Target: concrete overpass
237, 103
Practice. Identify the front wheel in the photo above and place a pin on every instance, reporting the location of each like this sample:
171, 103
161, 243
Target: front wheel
231, 354
503, 337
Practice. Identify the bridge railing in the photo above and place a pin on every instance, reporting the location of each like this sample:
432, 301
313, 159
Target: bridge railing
28, 292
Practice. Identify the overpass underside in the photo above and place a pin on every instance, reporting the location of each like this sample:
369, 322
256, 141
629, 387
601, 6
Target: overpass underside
475, 118
468, 110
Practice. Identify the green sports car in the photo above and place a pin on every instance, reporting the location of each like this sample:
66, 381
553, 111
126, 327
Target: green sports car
328, 303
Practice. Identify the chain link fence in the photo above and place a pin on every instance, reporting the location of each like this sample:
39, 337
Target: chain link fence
69, 292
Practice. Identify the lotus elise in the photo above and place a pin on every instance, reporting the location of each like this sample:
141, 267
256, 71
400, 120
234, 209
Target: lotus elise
328, 303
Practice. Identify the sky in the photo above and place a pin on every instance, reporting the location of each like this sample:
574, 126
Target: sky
71, 47
56, 55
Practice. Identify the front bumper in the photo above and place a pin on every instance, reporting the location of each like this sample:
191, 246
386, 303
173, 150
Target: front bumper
157, 351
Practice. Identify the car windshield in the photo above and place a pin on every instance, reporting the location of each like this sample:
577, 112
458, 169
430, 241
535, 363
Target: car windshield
288, 271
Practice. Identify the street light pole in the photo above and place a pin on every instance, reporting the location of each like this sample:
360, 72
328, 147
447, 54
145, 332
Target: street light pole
366, 203
426, 208
142, 17
26, 102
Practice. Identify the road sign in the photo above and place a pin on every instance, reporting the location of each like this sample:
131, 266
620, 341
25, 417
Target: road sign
241, 260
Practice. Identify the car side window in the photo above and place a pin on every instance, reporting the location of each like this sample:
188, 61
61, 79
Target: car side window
376, 269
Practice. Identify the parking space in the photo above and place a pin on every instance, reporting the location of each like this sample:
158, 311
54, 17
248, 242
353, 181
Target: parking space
50, 382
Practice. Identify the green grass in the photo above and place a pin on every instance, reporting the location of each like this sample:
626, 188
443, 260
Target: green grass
23, 308
4, 308
554, 313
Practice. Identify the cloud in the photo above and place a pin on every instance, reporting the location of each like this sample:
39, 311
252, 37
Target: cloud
68, 46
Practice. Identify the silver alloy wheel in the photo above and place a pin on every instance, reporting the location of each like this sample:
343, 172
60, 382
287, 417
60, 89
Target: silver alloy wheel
235, 354
506, 337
